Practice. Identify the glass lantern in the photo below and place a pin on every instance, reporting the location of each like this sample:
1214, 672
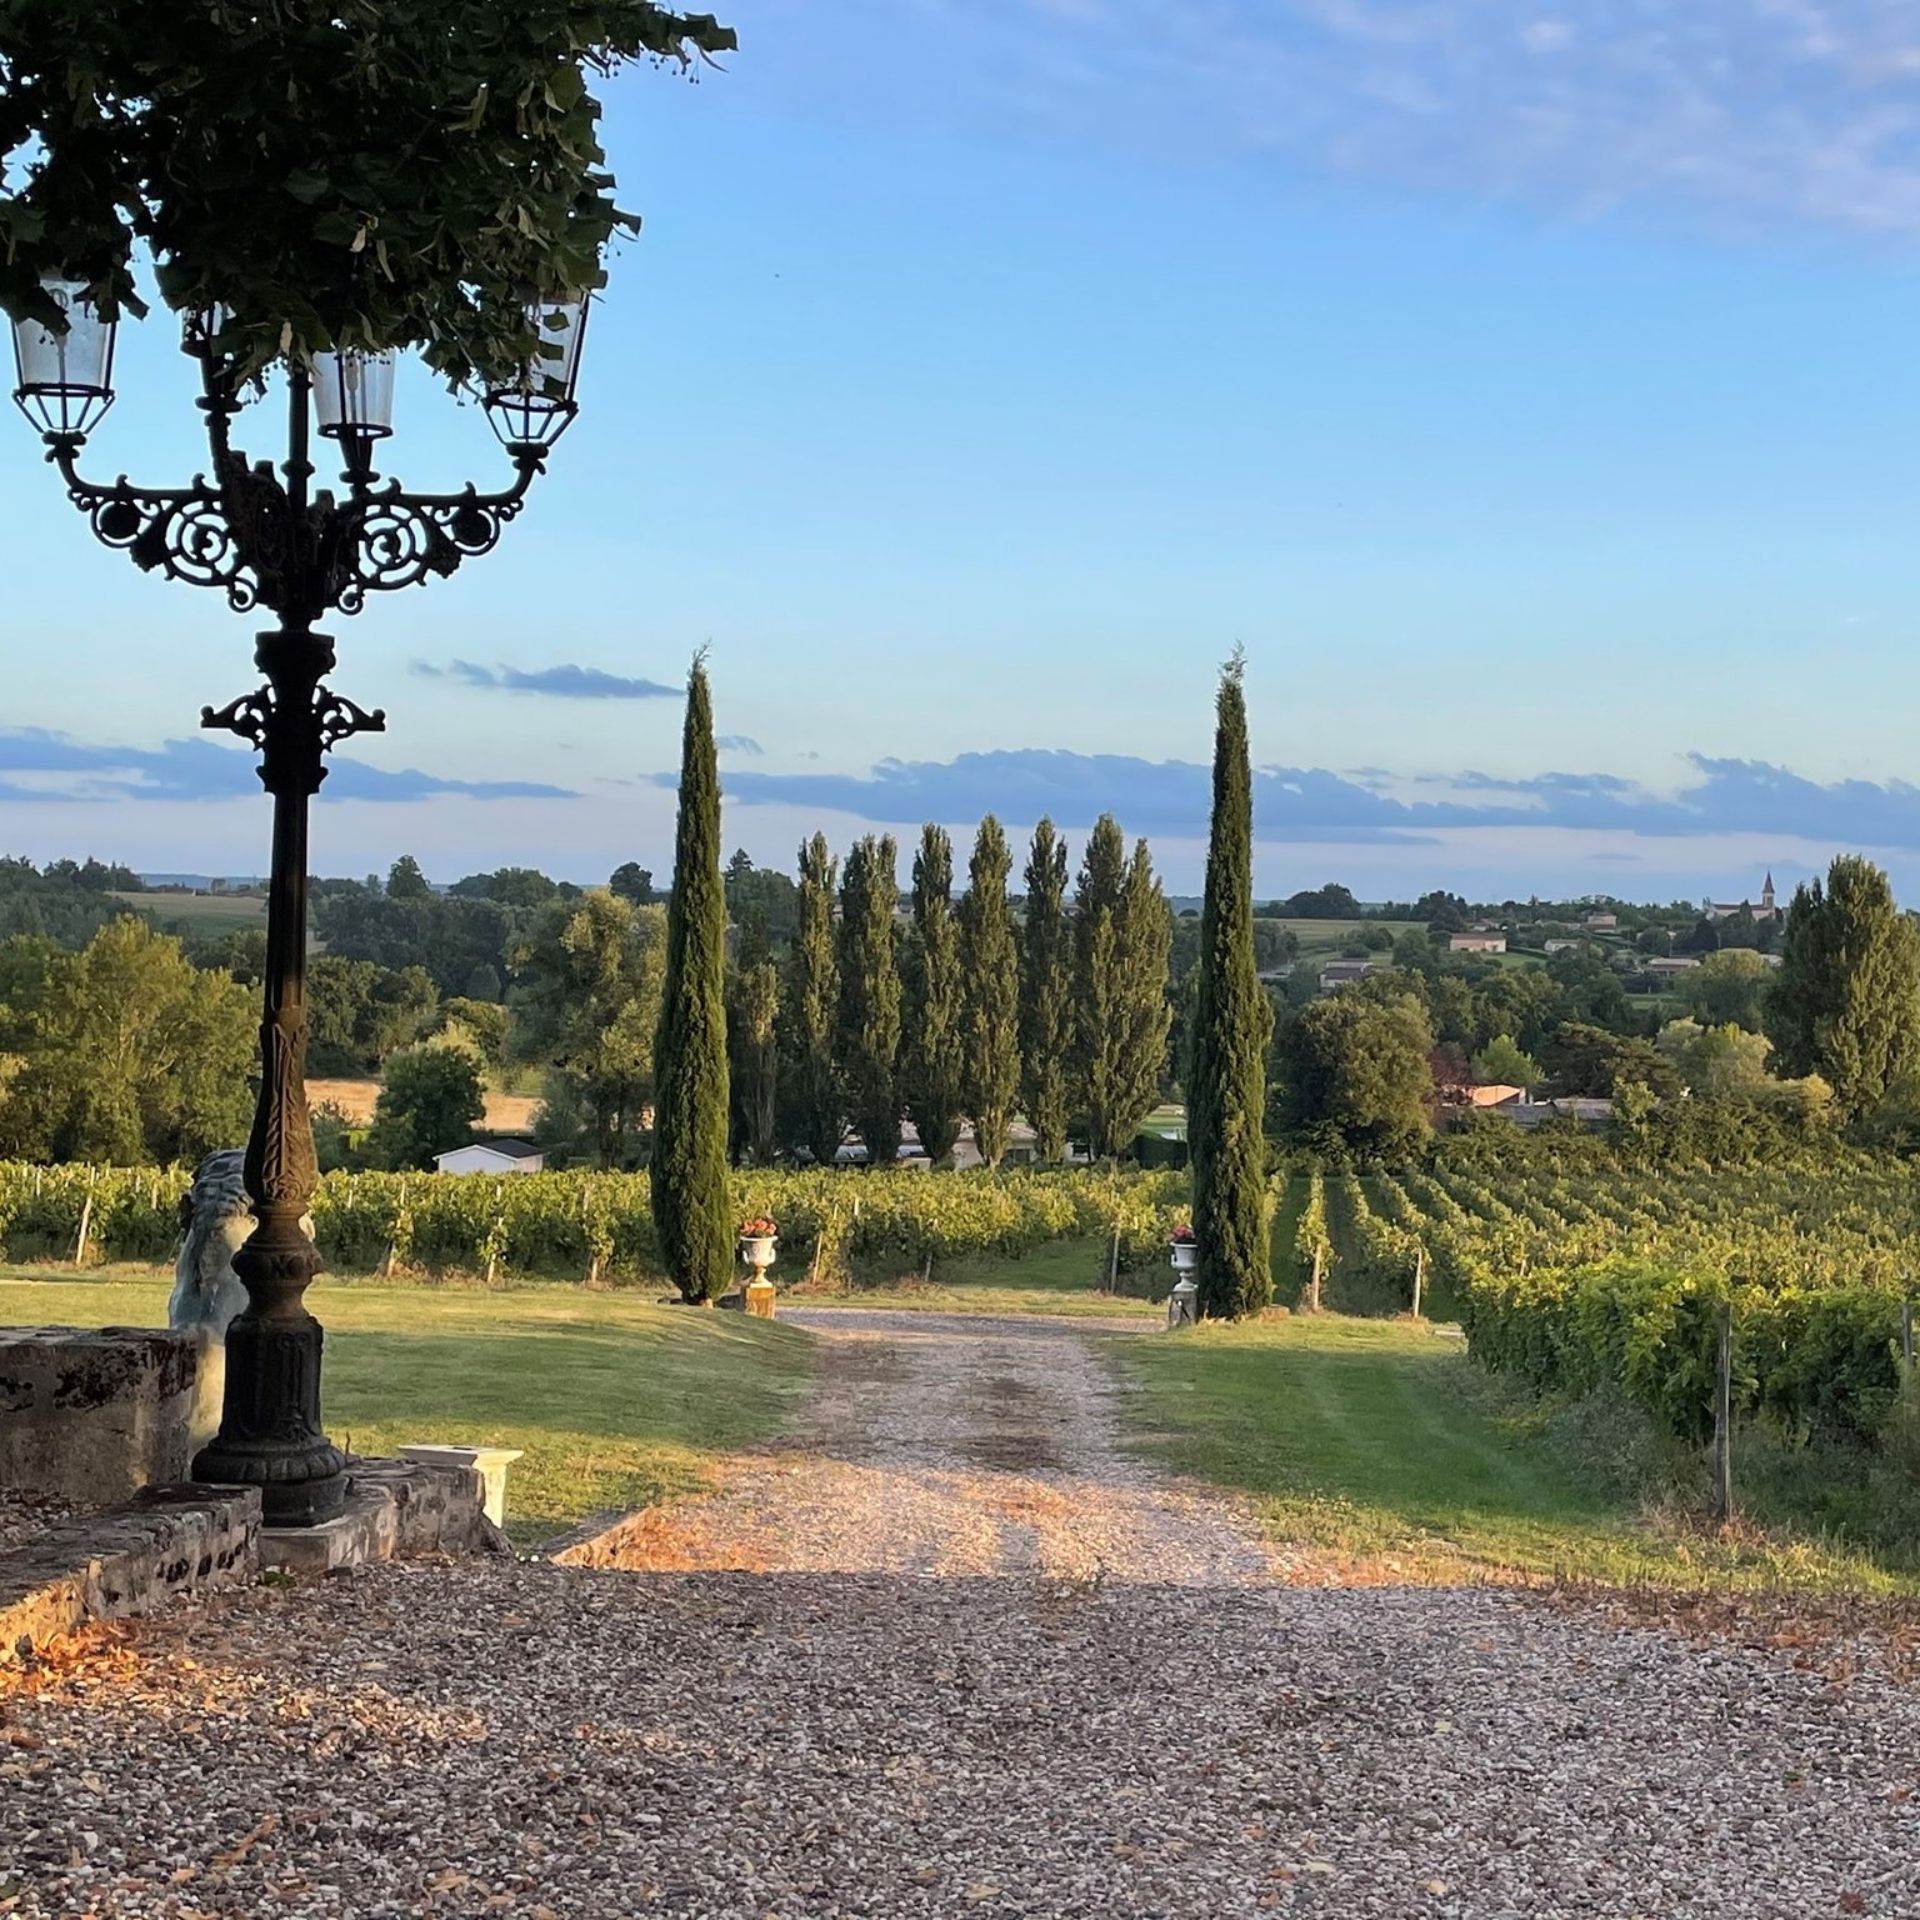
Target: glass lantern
66, 379
353, 400
537, 406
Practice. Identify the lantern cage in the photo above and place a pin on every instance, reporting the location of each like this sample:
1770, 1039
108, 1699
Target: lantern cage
66, 379
538, 404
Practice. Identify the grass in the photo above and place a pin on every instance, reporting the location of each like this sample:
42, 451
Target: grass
1327, 937
1058, 1279
617, 1402
1373, 1445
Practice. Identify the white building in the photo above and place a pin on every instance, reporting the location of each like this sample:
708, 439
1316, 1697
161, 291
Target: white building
492, 1156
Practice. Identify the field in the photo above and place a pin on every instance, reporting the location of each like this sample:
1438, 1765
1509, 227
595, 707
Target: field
618, 1403
206, 914
1324, 937
355, 1100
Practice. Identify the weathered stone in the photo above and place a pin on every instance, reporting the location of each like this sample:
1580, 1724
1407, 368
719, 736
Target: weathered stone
395, 1510
759, 1296
129, 1559
92, 1415
601, 1540
491, 1463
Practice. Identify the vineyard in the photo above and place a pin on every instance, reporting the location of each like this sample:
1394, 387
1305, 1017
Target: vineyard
598, 1227
1617, 1279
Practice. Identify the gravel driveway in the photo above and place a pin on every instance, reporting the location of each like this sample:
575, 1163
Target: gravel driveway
957, 1444
936, 1731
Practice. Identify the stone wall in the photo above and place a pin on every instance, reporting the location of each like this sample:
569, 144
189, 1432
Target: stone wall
93, 1415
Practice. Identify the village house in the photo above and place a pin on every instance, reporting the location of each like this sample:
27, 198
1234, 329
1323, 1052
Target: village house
1477, 943
1665, 969
1768, 909
1599, 921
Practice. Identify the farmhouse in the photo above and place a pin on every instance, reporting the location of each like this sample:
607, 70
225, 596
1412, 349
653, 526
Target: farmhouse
1342, 973
492, 1156
1666, 969
1600, 922
1477, 943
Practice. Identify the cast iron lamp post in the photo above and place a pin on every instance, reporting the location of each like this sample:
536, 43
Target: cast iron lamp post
269, 540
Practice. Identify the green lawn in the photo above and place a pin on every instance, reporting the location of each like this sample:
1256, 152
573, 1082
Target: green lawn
618, 1402
1365, 1441
1059, 1279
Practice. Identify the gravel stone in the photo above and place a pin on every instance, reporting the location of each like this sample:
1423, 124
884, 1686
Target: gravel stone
994, 1716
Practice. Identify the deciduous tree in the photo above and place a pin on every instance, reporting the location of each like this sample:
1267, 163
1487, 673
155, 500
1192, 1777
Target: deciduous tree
431, 1099
1846, 1005
990, 976
1123, 938
869, 1026
931, 1062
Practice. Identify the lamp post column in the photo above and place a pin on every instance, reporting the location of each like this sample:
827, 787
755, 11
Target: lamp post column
270, 1432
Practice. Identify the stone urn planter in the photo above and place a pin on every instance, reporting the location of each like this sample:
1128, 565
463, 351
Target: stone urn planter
1182, 1302
759, 1243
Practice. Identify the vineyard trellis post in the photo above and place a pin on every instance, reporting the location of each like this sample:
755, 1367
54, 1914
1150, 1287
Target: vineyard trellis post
1906, 1334
1723, 1418
1419, 1278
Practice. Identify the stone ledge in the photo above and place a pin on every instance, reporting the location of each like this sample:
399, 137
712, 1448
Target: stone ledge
171, 1542
601, 1540
395, 1510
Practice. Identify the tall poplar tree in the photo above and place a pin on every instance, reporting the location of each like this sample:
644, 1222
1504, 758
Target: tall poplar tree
691, 1210
1232, 1028
930, 1055
990, 976
810, 1011
869, 1027
753, 1024
1846, 1002
1123, 940
1046, 994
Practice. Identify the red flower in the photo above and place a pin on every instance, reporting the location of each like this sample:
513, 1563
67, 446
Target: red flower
761, 1229
1183, 1235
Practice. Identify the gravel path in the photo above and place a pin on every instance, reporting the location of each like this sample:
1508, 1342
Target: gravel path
935, 1711
954, 1444
538, 1742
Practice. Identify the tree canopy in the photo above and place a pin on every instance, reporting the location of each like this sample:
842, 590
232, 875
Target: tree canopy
335, 173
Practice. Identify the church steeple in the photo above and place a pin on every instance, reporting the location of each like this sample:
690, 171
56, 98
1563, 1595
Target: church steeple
1766, 894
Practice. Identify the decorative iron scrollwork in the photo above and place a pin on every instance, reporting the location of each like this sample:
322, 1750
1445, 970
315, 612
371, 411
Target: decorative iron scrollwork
251, 717
338, 718
402, 540
183, 533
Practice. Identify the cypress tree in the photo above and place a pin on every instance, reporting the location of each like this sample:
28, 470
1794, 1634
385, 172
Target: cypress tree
869, 1027
691, 1210
1144, 951
1232, 1027
990, 973
810, 1011
1046, 994
1846, 1003
930, 1067
1123, 939
1096, 1019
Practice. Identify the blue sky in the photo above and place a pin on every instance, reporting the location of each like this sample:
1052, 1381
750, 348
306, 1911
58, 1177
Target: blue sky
1532, 390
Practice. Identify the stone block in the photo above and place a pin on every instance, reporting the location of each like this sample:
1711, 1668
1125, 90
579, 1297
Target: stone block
395, 1510
92, 1415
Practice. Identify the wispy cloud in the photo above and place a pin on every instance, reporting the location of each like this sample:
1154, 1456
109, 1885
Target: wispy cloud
739, 743
1720, 796
39, 765
560, 683
1803, 108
